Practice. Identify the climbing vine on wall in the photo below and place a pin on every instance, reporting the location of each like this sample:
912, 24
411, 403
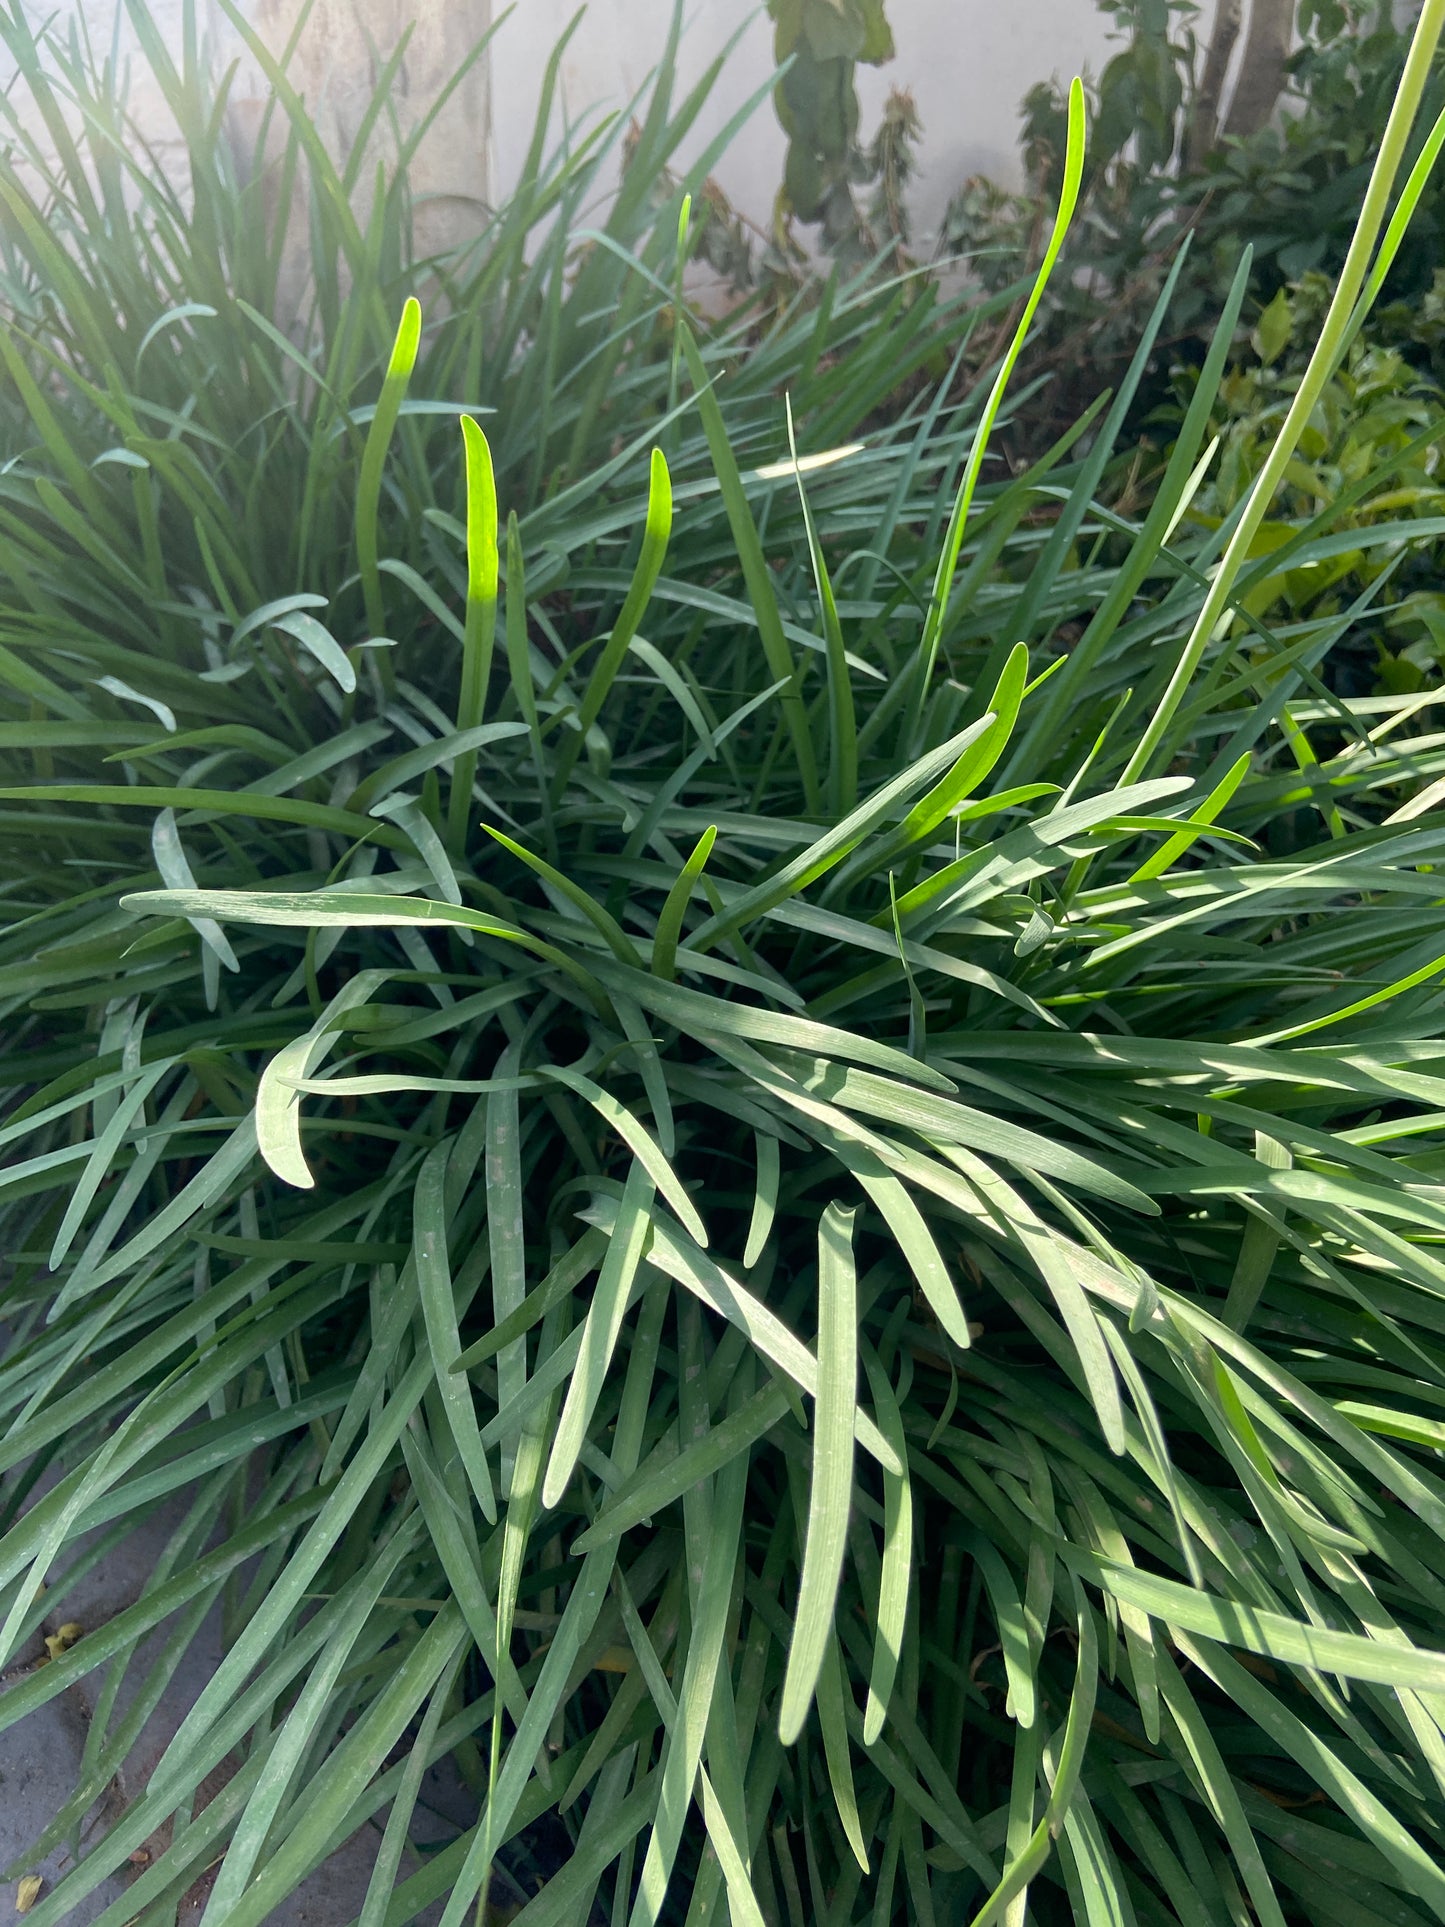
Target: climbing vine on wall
819, 44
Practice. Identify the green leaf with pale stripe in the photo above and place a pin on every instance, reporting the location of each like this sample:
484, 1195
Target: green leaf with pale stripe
831, 1491
630, 1234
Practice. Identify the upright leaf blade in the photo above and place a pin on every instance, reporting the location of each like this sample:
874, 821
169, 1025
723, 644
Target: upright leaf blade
399, 369
831, 1492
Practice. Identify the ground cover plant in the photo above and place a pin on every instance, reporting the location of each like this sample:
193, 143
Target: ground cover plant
777, 1178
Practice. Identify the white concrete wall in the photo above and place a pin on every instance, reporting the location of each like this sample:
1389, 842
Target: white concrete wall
342, 48
968, 64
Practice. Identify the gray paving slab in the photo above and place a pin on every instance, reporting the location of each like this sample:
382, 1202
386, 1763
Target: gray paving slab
40, 1757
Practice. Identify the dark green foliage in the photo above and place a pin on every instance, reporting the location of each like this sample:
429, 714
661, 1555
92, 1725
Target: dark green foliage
1289, 192
818, 44
1370, 456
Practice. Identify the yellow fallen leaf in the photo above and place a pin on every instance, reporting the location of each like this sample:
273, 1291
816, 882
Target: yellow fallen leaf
28, 1893
62, 1641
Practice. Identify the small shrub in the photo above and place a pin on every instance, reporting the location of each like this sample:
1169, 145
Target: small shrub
1288, 190
1370, 457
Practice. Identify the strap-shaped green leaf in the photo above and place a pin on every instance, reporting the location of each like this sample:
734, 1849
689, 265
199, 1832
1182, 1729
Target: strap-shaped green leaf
758, 577
1073, 172
629, 1238
373, 458
765, 1198
663, 1477
640, 1142
607, 926
673, 1252
842, 723
896, 1571
833, 845
434, 1287
656, 530
479, 633
831, 1491
669, 922
1021, 1872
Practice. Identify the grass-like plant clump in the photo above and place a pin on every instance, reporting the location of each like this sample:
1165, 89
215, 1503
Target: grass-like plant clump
755, 1117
